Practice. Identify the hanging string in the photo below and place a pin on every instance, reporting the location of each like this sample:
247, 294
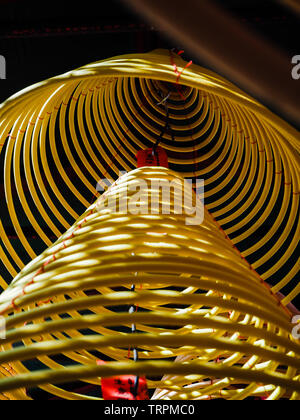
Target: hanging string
167, 129
133, 308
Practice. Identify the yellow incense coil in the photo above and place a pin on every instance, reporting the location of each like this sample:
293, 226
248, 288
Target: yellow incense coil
206, 320
60, 137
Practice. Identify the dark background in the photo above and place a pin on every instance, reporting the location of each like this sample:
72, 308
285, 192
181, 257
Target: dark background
43, 39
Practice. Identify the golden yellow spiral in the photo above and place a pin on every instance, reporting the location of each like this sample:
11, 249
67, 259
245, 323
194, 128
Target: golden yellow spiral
206, 321
59, 137
57, 140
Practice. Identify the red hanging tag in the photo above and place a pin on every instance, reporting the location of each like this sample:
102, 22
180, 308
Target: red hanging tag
122, 387
152, 157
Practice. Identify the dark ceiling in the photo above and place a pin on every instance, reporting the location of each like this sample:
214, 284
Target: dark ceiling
40, 40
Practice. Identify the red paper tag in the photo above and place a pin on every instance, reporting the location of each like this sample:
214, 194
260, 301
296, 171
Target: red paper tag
122, 388
149, 157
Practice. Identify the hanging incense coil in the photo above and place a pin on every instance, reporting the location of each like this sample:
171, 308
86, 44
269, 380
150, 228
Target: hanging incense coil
205, 320
60, 137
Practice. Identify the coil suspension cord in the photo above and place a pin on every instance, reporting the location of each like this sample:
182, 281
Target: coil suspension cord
132, 310
167, 129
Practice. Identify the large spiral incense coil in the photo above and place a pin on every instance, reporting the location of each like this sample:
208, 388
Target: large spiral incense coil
60, 137
205, 320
